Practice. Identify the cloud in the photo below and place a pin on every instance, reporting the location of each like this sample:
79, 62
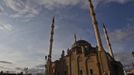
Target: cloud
22, 7
1, 10
6, 62
31, 8
6, 27
122, 43
122, 35
18, 68
124, 57
36, 71
41, 66
58, 3
1, 67
130, 19
117, 1
31, 70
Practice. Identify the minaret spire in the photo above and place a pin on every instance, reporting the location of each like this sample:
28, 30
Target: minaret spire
95, 25
50, 48
75, 37
102, 58
51, 37
108, 41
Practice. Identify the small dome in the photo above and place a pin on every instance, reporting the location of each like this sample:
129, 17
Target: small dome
81, 43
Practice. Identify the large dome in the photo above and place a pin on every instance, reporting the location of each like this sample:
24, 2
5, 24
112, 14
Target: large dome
81, 43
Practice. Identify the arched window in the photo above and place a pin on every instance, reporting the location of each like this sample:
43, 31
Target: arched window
65, 72
58, 73
91, 72
80, 72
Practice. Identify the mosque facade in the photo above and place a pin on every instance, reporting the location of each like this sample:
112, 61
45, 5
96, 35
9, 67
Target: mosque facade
84, 59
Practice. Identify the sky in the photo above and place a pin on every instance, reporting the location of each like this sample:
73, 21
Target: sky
25, 29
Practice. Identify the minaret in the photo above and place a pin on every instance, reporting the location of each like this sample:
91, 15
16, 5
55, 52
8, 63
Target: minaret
95, 25
51, 37
108, 41
104, 68
50, 48
75, 38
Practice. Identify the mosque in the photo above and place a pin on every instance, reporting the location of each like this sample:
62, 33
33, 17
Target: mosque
84, 59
